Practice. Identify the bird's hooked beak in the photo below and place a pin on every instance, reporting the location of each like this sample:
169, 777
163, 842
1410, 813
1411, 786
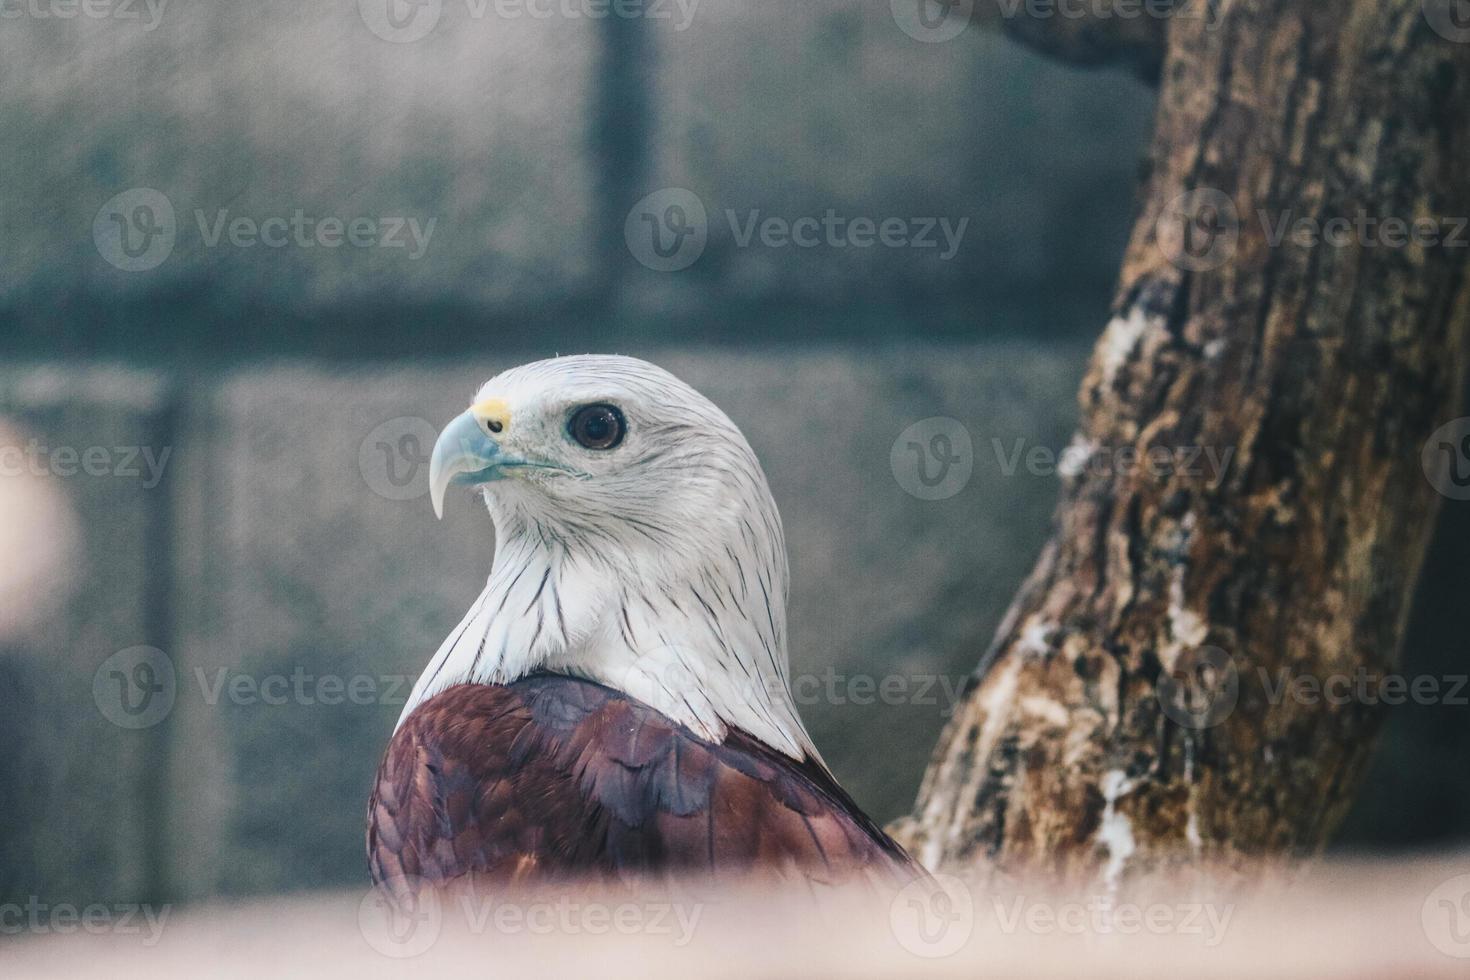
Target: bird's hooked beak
467, 452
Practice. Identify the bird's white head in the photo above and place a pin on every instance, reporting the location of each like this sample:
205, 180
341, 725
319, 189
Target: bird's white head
637, 545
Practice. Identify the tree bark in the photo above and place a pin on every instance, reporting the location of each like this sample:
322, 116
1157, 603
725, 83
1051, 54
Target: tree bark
1130, 714
1086, 32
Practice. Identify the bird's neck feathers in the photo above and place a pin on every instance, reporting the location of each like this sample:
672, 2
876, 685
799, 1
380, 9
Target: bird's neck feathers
692, 625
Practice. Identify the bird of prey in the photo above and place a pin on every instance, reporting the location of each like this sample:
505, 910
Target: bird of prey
615, 705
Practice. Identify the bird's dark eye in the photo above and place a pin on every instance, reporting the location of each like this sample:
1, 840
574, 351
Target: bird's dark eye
597, 426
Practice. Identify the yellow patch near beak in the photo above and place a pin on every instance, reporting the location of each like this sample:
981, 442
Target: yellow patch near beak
494, 412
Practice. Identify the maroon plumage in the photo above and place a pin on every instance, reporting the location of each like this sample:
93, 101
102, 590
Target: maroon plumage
553, 777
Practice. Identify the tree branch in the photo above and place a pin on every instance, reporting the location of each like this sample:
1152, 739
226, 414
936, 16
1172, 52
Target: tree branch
1126, 33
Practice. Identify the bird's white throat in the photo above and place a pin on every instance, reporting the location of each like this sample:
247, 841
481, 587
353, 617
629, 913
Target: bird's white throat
696, 632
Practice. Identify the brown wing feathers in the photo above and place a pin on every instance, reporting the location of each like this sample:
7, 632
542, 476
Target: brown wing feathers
555, 777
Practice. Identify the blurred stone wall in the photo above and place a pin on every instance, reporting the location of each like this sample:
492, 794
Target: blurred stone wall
85, 531
215, 179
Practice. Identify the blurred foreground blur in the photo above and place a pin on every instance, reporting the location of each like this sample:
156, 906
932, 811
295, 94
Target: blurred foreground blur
1339, 920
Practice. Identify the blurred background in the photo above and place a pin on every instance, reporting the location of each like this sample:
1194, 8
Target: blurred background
255, 254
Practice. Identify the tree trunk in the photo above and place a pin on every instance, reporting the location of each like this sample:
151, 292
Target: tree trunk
1130, 714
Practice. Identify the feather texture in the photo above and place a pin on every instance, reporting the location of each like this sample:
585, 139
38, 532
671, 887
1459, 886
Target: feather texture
553, 777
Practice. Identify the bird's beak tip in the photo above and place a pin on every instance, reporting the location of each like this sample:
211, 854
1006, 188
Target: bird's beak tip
462, 449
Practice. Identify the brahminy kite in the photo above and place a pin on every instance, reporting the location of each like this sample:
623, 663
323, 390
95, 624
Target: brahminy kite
615, 705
